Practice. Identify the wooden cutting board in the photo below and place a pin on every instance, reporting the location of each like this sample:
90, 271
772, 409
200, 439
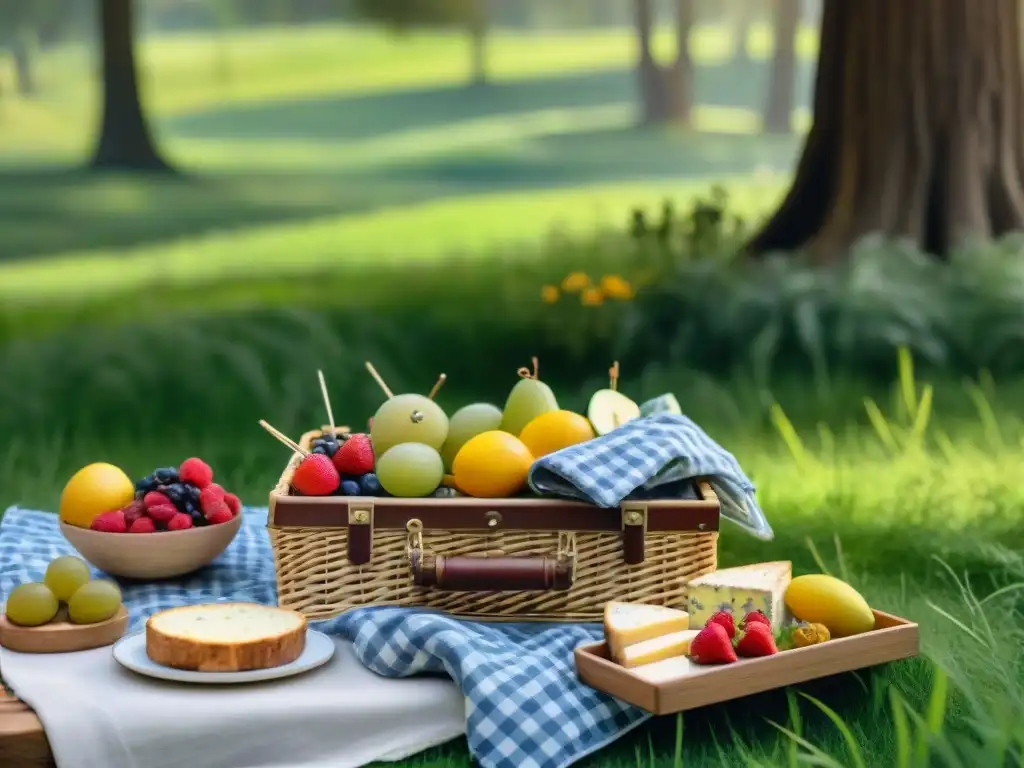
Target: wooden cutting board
61, 636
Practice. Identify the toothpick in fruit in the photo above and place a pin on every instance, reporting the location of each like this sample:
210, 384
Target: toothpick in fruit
380, 381
327, 403
440, 383
613, 377
283, 438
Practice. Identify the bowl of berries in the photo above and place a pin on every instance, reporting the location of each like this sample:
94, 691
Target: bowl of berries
176, 521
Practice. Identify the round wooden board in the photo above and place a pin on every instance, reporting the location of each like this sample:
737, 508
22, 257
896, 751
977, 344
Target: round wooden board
61, 636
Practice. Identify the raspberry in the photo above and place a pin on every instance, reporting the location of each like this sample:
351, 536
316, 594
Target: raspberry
179, 522
220, 514
142, 525
355, 456
210, 495
133, 512
162, 513
195, 471
110, 522
156, 498
233, 502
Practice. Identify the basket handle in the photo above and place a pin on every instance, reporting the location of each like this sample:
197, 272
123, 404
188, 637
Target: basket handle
491, 574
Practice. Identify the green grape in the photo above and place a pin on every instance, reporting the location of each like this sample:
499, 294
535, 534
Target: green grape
65, 575
94, 602
410, 470
469, 421
31, 605
408, 419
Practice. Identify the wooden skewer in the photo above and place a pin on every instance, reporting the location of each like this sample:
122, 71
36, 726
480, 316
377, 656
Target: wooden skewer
327, 403
380, 381
440, 383
284, 439
613, 375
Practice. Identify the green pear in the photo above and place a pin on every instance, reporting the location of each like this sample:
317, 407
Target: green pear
529, 398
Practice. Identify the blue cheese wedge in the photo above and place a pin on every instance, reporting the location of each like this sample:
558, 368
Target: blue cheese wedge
759, 587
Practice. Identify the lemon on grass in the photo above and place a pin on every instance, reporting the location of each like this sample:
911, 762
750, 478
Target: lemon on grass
93, 490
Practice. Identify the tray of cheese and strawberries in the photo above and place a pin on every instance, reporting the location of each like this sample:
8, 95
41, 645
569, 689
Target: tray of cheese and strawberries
744, 630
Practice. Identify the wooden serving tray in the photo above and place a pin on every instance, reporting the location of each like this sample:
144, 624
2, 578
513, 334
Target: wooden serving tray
893, 638
61, 636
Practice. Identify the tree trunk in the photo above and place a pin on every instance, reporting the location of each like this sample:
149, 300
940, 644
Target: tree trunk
23, 51
779, 108
478, 48
125, 142
918, 129
666, 92
742, 19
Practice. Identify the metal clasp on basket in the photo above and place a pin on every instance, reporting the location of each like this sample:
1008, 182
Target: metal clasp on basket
567, 549
360, 533
414, 538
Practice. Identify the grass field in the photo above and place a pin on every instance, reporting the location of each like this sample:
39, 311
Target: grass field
350, 198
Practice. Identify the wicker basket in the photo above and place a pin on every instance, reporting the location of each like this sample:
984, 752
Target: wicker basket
494, 559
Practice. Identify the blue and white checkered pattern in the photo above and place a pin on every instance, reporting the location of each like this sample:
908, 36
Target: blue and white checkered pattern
524, 705
650, 456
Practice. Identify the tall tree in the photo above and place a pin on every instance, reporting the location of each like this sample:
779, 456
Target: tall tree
918, 129
403, 15
125, 141
666, 92
778, 111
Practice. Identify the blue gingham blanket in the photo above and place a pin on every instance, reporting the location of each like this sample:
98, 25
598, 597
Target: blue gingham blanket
649, 457
524, 705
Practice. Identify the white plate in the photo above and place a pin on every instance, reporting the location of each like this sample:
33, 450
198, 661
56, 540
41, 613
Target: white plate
130, 652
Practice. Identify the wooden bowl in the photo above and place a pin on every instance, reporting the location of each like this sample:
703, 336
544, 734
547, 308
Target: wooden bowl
61, 636
160, 555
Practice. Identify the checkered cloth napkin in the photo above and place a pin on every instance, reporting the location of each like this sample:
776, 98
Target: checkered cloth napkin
651, 457
524, 706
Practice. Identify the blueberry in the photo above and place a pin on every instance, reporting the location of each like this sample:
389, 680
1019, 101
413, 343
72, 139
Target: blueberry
189, 508
197, 518
369, 484
177, 493
320, 449
192, 493
350, 488
145, 485
166, 475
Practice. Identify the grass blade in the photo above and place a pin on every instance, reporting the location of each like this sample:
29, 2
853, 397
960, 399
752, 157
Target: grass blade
902, 728
842, 727
792, 752
959, 624
905, 364
881, 426
817, 757
817, 556
989, 422
1002, 591
923, 416
677, 759
788, 433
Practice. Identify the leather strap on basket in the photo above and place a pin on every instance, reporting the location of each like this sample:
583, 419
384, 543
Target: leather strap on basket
360, 533
634, 533
490, 573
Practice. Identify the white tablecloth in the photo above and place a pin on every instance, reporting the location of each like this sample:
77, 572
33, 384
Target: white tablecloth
99, 715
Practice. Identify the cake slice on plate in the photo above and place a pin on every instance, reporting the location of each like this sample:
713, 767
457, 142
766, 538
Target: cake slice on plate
225, 637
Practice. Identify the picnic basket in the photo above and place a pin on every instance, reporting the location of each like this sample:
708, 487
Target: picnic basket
521, 559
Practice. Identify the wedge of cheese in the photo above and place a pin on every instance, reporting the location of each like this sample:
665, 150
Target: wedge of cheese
668, 670
657, 649
630, 623
760, 587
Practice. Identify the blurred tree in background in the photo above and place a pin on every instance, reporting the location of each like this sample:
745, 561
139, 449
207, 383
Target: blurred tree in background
125, 141
24, 24
917, 133
666, 92
403, 15
782, 80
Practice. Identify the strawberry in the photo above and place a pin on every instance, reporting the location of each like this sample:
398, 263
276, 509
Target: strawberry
757, 640
210, 496
233, 502
161, 513
755, 617
219, 515
316, 476
179, 522
195, 471
355, 456
712, 646
142, 525
156, 498
110, 522
725, 619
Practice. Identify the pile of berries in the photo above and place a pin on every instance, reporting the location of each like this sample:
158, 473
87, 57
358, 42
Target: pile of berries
722, 641
339, 465
173, 500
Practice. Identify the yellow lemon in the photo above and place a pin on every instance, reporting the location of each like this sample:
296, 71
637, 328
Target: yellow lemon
821, 599
492, 465
93, 490
554, 431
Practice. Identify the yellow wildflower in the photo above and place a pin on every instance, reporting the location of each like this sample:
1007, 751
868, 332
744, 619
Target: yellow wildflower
615, 287
592, 297
549, 294
575, 282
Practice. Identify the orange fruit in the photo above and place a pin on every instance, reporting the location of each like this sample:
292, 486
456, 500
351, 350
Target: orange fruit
492, 465
554, 431
93, 490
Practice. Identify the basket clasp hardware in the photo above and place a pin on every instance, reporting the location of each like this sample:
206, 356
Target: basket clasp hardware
360, 533
414, 539
634, 532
